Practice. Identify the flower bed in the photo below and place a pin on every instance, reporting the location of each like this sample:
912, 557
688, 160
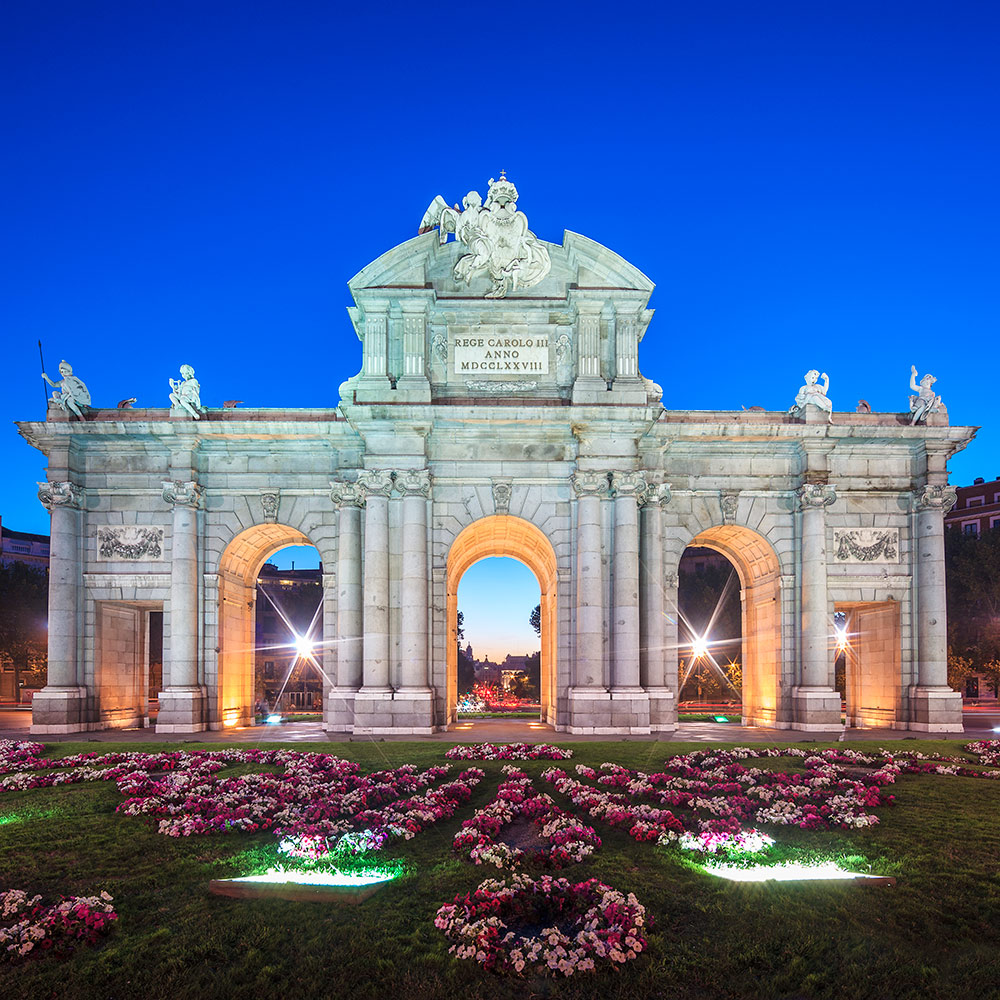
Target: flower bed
508, 751
568, 840
577, 925
32, 930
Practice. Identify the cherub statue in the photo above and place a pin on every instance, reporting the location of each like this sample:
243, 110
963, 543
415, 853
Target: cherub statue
186, 393
813, 392
71, 395
926, 401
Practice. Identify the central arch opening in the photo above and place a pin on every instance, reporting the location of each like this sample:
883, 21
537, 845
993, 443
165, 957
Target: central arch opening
709, 647
505, 536
270, 628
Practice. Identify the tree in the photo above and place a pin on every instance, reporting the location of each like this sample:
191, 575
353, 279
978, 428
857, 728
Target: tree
536, 619
24, 603
460, 626
972, 567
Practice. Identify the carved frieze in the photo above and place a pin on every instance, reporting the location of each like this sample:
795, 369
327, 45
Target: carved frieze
502, 490
940, 498
269, 500
60, 495
816, 496
866, 545
479, 385
182, 494
129, 543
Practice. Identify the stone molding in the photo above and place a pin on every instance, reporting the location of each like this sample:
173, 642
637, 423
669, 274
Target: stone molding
591, 484
182, 494
502, 490
62, 494
866, 545
815, 496
939, 498
480, 385
129, 543
269, 500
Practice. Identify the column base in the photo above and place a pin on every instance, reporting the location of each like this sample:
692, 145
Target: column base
662, 710
816, 710
598, 712
338, 709
384, 712
60, 710
182, 710
934, 710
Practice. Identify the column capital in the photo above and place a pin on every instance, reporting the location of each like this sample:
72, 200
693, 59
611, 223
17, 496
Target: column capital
939, 498
591, 484
815, 496
64, 494
346, 494
375, 482
414, 483
629, 484
655, 495
182, 494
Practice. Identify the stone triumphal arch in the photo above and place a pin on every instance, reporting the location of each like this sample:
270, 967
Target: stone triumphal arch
499, 410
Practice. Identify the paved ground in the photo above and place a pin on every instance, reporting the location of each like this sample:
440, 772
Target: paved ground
15, 724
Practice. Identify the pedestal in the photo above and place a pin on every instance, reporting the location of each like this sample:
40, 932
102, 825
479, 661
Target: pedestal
59, 710
816, 710
182, 710
935, 710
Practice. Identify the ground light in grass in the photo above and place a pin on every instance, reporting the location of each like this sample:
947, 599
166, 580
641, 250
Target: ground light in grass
791, 871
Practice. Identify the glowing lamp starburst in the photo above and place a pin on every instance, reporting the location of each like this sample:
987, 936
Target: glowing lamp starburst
303, 647
699, 648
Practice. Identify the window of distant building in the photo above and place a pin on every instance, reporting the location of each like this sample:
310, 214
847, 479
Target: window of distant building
970, 528
995, 523
975, 501
18, 547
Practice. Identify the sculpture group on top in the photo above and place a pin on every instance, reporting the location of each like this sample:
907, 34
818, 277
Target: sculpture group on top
500, 244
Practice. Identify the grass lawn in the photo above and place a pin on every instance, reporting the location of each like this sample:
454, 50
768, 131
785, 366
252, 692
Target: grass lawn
935, 934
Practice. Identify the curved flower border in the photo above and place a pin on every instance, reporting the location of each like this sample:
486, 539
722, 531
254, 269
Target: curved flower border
569, 841
508, 751
591, 921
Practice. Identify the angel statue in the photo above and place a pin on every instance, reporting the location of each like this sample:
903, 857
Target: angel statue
185, 395
813, 392
497, 236
926, 401
71, 394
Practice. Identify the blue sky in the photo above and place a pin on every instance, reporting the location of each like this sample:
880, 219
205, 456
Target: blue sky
809, 185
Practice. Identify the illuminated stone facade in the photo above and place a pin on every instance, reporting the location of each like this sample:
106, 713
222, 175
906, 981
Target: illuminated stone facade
495, 419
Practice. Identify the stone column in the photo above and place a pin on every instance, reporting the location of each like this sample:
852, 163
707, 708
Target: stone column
589, 700
376, 486
182, 702
60, 707
630, 703
652, 609
339, 708
934, 706
413, 701
816, 704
